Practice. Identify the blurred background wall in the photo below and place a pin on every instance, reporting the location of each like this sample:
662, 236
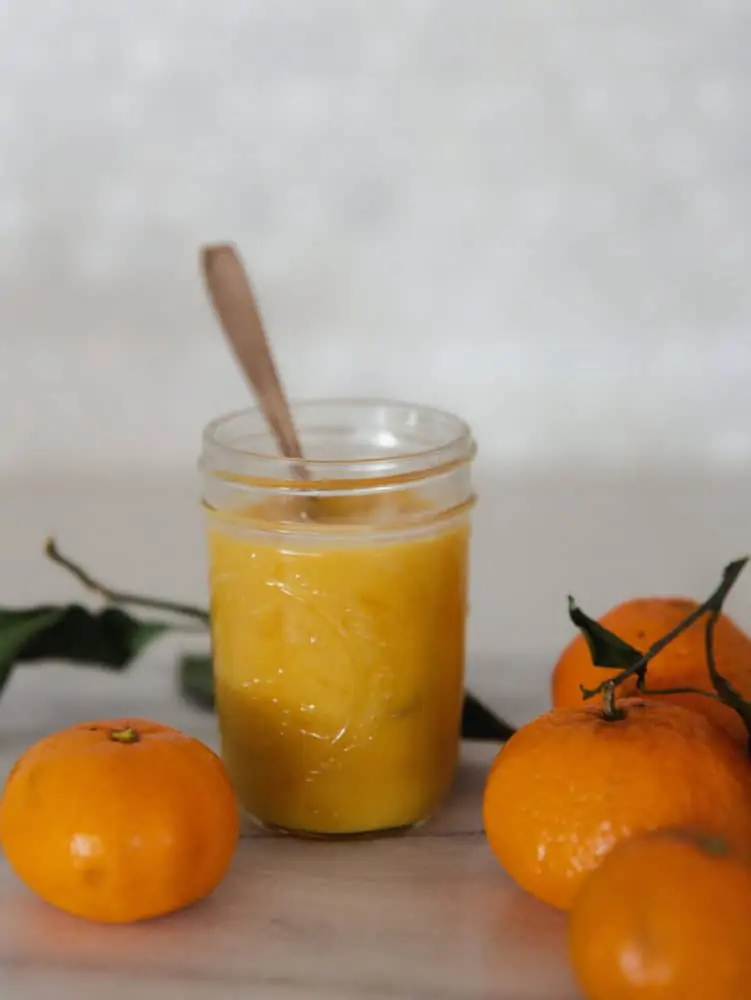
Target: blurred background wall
535, 213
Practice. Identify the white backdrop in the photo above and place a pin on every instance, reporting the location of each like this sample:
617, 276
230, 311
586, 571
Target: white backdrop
535, 213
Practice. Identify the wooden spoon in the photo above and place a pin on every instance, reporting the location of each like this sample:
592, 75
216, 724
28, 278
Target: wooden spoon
232, 296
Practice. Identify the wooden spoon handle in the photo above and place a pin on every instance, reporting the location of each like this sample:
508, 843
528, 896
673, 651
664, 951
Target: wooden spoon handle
230, 291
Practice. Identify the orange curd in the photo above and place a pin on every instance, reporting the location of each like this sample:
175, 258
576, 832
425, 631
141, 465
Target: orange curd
338, 633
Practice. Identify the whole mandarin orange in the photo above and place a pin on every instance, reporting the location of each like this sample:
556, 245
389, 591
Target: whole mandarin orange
119, 820
666, 916
641, 622
571, 784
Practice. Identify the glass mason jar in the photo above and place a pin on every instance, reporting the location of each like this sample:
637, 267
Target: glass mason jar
338, 608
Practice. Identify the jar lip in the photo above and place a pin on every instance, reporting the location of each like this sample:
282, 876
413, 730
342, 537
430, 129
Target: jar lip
456, 444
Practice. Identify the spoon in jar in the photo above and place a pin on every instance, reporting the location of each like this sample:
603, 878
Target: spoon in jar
235, 305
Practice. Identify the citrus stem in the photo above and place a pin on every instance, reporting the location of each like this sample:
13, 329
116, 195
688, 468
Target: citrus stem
118, 596
678, 690
610, 711
126, 735
723, 688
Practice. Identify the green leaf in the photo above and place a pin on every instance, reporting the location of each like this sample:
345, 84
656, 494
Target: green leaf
110, 638
605, 647
197, 680
17, 630
478, 722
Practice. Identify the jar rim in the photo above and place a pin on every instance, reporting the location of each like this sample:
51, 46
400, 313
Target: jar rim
226, 457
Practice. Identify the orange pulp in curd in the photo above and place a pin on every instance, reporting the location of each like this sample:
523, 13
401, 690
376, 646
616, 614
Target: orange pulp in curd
338, 662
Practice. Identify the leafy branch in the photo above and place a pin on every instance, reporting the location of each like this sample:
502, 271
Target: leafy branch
620, 653
118, 596
608, 650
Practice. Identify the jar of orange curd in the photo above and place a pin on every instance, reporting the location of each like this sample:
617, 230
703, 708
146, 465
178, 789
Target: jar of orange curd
338, 608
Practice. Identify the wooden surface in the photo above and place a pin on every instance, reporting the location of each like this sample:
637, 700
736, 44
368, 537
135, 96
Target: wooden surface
429, 915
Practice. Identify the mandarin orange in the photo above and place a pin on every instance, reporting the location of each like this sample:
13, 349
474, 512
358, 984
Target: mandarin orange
571, 784
666, 916
119, 820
